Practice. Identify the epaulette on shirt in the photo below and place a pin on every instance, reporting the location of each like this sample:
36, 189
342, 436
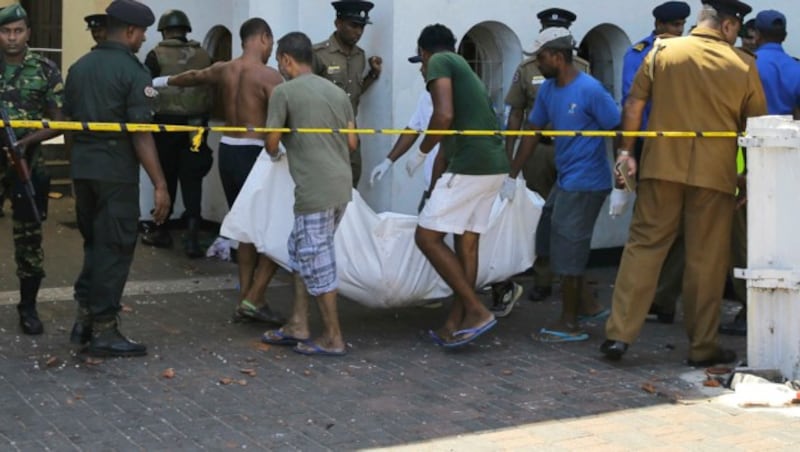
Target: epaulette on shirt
321, 45
640, 46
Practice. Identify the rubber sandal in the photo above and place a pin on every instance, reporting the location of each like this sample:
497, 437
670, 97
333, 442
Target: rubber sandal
313, 349
278, 337
597, 316
553, 336
247, 310
468, 335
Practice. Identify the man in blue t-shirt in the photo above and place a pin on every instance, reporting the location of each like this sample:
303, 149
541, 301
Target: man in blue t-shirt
569, 100
779, 72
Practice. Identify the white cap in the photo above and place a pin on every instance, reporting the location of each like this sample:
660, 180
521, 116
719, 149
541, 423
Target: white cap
553, 37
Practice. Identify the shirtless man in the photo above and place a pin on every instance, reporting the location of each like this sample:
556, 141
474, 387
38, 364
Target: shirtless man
248, 83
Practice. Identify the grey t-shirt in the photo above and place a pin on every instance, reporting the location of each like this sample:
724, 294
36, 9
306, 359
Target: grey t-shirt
319, 162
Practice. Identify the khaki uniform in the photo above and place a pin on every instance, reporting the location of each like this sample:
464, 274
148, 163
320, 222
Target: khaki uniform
347, 72
687, 179
540, 170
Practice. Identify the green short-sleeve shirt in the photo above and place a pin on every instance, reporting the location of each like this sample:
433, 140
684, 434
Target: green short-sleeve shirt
476, 155
319, 163
109, 84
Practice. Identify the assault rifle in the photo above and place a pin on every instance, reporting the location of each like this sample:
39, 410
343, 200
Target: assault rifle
16, 157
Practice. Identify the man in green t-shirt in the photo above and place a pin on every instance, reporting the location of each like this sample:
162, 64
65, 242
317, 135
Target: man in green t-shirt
471, 173
320, 167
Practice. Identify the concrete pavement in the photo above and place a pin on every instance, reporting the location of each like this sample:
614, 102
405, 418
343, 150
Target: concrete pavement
393, 389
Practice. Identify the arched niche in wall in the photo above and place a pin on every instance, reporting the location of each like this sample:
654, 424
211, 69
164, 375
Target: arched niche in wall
218, 44
493, 51
604, 46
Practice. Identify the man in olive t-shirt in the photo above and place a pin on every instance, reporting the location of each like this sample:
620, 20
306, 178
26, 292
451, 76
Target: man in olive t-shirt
461, 200
320, 168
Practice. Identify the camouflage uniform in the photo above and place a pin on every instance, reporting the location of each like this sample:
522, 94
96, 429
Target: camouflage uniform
29, 91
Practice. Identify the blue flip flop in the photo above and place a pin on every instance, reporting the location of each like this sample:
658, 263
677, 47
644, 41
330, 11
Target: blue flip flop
600, 315
278, 337
436, 338
470, 334
553, 336
312, 349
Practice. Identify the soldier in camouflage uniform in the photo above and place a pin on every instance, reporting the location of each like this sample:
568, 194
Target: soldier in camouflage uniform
30, 88
173, 55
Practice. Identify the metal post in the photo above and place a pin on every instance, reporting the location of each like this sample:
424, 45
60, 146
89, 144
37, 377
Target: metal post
773, 252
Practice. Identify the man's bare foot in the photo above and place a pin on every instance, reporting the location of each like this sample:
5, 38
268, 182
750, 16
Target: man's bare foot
322, 347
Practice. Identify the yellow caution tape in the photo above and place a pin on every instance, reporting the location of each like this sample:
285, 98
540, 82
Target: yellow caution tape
200, 130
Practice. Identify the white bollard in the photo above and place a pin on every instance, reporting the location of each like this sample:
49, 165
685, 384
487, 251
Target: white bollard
773, 248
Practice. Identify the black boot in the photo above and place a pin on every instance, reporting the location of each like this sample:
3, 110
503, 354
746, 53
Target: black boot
193, 249
28, 317
107, 341
82, 328
156, 235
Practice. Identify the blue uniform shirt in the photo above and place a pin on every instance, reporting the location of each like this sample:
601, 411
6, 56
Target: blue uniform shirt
584, 104
634, 58
780, 76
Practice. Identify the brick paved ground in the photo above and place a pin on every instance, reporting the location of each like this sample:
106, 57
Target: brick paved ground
393, 389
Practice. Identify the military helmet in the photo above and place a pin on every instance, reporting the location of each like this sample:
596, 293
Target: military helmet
174, 18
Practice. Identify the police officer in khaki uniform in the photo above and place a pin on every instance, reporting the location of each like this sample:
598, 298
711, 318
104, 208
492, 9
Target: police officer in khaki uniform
109, 84
341, 61
96, 24
540, 170
687, 183
670, 20
190, 106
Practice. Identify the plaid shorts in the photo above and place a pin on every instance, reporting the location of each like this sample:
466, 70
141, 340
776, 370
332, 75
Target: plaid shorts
311, 252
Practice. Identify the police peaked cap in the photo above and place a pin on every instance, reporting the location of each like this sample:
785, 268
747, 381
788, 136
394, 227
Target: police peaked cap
353, 10
96, 20
131, 12
556, 17
733, 8
671, 11
12, 13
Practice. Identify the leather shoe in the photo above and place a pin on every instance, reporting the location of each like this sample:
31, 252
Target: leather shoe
30, 323
613, 349
111, 342
539, 293
158, 237
80, 334
721, 356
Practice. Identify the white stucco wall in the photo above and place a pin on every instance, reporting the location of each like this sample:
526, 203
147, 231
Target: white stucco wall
396, 26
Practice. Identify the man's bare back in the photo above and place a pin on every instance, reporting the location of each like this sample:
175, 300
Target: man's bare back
246, 85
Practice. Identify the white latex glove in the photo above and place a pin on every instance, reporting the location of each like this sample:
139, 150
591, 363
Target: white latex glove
509, 189
277, 157
379, 171
618, 201
415, 161
161, 82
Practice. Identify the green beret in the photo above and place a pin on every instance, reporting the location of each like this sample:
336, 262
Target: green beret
12, 13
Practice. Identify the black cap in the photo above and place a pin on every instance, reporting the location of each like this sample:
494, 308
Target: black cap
749, 25
770, 20
733, 8
131, 12
353, 10
556, 17
96, 20
671, 11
